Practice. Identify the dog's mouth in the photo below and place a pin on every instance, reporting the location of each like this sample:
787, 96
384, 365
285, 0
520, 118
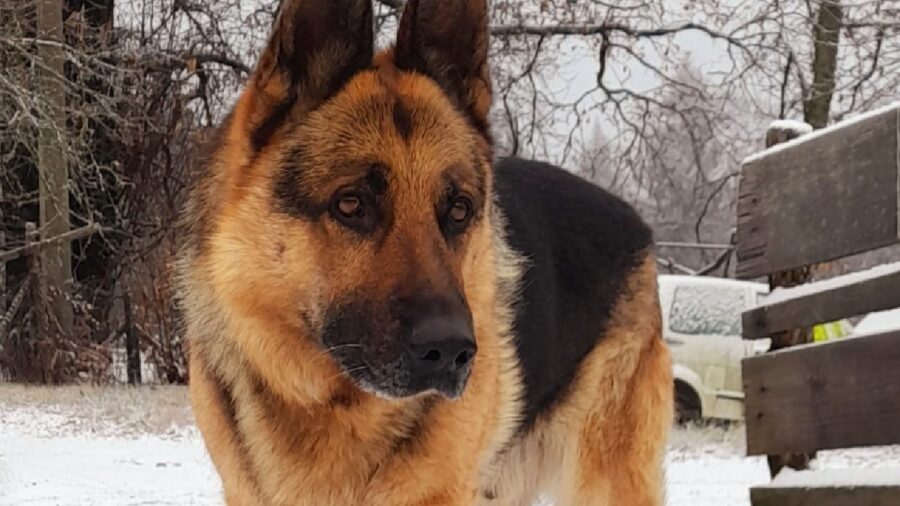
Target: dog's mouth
393, 380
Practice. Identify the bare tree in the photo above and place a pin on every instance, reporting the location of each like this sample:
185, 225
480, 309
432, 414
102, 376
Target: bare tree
122, 106
658, 124
56, 260
658, 101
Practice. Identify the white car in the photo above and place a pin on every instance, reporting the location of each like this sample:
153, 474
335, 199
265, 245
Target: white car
702, 326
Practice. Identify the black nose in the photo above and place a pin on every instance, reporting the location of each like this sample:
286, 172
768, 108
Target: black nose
442, 348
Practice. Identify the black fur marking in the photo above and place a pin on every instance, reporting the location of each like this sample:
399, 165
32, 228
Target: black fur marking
290, 192
344, 398
263, 134
226, 398
457, 175
376, 178
294, 199
581, 243
403, 120
417, 432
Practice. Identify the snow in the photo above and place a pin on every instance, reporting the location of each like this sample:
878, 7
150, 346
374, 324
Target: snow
139, 447
78, 470
800, 127
784, 294
825, 131
101, 449
881, 321
707, 310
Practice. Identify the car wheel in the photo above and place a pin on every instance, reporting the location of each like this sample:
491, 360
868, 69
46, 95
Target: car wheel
687, 404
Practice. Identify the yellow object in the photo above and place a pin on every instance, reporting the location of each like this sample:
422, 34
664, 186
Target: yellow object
834, 330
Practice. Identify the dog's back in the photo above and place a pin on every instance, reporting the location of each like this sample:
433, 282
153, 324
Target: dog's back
596, 375
581, 244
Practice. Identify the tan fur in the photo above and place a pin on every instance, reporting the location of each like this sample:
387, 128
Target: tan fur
283, 423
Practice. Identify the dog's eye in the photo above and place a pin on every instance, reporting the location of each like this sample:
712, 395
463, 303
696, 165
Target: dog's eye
460, 210
354, 210
350, 206
458, 216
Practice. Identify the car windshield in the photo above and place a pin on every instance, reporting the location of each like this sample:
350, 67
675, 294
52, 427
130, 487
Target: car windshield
707, 310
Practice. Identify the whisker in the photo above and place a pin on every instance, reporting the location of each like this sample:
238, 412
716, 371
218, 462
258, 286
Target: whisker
338, 347
325, 352
348, 372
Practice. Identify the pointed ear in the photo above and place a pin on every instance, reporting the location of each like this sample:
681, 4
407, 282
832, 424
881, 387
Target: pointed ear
448, 41
315, 48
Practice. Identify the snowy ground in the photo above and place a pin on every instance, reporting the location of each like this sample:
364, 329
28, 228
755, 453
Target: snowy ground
124, 447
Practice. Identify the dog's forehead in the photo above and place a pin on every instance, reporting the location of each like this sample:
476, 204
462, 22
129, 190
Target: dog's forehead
408, 125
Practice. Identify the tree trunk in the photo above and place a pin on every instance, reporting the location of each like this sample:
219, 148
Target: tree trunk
827, 36
56, 259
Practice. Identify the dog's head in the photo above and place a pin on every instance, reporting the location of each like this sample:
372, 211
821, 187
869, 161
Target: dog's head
354, 192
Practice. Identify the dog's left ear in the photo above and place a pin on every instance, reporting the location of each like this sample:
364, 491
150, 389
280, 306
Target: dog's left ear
448, 41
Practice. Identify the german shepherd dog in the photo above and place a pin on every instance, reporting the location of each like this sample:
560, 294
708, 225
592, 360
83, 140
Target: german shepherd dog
379, 313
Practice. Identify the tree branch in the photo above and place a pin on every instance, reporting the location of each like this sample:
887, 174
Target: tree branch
220, 59
28, 249
606, 29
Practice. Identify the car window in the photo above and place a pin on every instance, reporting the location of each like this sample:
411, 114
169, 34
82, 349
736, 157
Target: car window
707, 310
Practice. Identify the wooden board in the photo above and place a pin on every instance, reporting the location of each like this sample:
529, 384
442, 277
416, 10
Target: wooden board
864, 496
825, 196
838, 394
843, 487
839, 487
841, 300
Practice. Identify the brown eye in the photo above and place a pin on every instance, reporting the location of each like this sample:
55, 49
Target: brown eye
355, 209
457, 216
460, 211
350, 206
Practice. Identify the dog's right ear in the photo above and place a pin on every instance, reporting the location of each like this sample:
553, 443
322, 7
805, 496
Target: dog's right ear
315, 48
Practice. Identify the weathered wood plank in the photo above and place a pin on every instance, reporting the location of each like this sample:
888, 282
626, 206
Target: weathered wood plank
828, 195
779, 133
838, 394
842, 487
859, 496
837, 300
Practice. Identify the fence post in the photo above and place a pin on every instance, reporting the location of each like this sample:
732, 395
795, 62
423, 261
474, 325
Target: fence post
40, 370
132, 344
3, 301
779, 134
